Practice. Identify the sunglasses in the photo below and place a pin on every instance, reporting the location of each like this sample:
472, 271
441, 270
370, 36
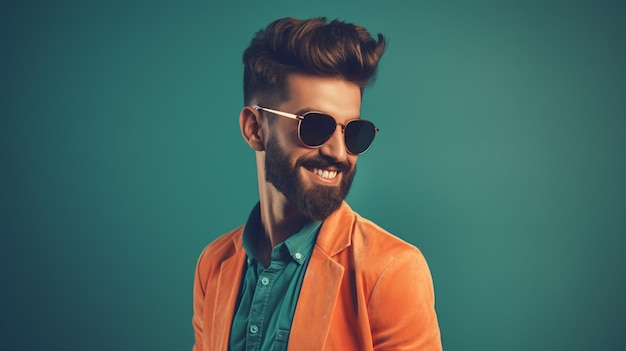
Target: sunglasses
315, 128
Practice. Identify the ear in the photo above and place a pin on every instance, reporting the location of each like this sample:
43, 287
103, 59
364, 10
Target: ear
250, 125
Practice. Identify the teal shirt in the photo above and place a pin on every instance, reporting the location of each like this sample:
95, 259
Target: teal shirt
268, 296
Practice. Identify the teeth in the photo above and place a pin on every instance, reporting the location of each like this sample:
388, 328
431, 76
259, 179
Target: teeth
325, 174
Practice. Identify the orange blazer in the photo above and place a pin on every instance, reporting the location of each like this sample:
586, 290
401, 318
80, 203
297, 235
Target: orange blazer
364, 289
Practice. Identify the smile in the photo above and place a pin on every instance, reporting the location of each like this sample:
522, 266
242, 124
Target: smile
323, 173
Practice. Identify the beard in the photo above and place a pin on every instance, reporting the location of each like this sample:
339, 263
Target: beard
315, 201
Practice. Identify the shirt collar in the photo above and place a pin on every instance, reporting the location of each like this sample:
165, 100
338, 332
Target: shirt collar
298, 246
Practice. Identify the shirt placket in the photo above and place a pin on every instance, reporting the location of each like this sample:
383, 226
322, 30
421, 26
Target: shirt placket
258, 311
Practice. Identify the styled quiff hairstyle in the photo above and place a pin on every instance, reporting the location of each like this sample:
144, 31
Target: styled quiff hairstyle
311, 47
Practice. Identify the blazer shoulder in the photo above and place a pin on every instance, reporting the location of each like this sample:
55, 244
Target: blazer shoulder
221, 249
375, 250
377, 239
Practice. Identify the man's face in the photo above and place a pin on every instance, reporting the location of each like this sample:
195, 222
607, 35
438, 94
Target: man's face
313, 180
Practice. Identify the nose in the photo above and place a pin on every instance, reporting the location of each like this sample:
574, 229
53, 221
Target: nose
335, 147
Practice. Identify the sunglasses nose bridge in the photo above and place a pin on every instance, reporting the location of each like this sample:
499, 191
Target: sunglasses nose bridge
343, 127
344, 136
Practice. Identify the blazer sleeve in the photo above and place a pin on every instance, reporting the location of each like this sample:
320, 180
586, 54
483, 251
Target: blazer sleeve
401, 306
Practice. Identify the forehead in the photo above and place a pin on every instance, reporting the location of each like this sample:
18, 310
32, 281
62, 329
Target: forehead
331, 95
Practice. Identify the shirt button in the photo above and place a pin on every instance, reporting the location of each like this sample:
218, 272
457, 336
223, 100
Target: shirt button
254, 329
265, 280
298, 255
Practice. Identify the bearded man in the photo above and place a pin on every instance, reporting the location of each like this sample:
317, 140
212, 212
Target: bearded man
306, 272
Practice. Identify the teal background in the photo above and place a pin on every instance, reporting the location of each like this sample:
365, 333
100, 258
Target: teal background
501, 155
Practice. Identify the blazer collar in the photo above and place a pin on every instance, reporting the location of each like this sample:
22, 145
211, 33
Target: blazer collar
336, 232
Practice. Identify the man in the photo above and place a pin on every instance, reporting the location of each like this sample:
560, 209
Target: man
306, 272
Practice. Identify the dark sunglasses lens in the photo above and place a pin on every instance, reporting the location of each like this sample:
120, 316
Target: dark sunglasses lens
316, 128
359, 135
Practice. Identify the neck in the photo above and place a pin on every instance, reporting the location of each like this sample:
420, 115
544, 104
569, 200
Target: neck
280, 219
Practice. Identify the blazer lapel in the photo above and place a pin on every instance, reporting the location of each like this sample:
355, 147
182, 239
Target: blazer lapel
316, 303
322, 282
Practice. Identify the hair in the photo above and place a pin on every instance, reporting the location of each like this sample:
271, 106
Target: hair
310, 47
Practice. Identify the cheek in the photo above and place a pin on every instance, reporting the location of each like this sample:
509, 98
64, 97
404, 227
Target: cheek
284, 128
293, 139
287, 139
352, 159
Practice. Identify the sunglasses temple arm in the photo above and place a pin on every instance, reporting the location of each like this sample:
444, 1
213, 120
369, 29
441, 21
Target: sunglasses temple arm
280, 113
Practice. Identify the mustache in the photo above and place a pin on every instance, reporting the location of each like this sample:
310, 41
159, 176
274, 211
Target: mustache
321, 162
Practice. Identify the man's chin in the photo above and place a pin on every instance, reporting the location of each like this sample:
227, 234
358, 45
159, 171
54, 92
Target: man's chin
319, 202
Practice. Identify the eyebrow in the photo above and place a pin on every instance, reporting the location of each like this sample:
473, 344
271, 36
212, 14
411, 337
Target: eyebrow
302, 111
